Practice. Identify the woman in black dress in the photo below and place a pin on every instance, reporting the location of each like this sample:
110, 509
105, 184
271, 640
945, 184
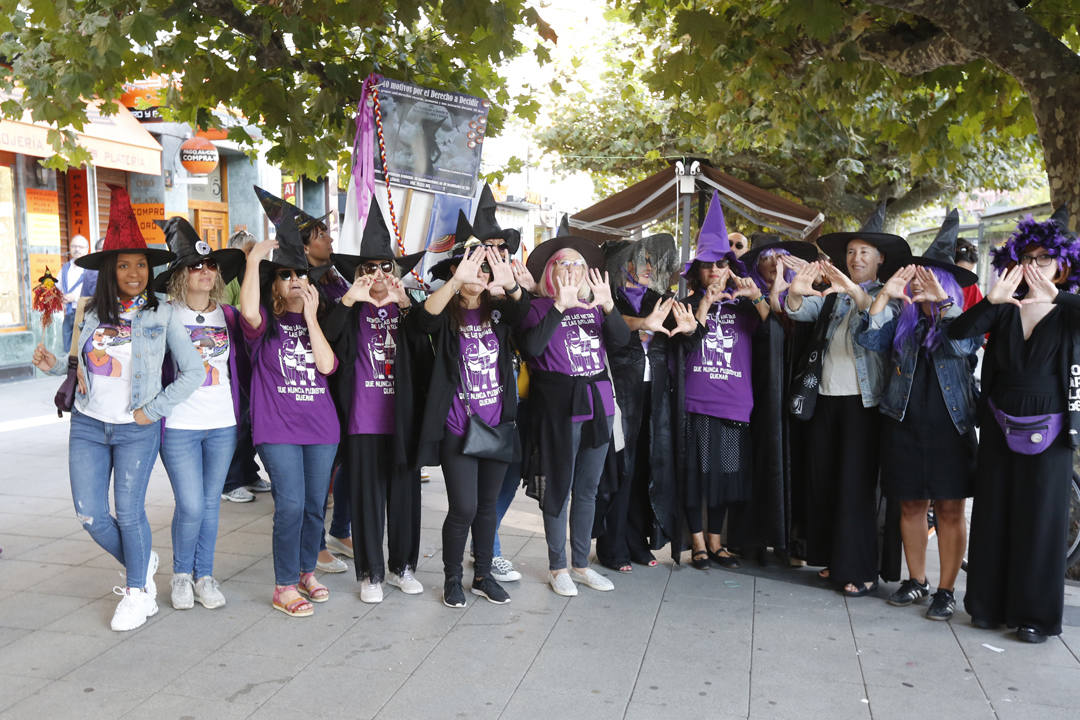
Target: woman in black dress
928, 432
1016, 563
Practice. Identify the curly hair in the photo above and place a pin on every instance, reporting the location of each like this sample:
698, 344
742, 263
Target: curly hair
1059, 243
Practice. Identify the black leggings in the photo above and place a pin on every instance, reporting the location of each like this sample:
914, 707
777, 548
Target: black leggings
472, 487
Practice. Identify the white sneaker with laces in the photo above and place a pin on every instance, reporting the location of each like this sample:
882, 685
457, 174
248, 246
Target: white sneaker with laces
183, 591
503, 570
136, 605
335, 545
263, 485
562, 584
337, 565
239, 495
370, 592
208, 593
593, 579
406, 582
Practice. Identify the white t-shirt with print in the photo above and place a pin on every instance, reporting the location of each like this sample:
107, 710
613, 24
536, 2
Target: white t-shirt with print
107, 358
211, 405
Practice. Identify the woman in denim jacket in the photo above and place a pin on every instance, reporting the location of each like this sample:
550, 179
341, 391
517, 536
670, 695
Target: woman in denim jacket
927, 435
115, 427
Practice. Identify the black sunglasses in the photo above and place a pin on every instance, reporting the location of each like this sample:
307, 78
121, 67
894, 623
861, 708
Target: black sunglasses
289, 274
370, 268
207, 263
738, 246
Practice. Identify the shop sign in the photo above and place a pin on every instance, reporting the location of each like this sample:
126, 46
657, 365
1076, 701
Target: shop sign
198, 156
145, 215
43, 218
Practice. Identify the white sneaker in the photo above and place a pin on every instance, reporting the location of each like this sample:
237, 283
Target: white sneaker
151, 569
593, 579
503, 570
183, 591
406, 582
260, 486
337, 565
239, 495
208, 593
135, 606
370, 592
336, 546
562, 584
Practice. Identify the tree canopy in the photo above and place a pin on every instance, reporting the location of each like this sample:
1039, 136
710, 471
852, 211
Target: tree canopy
293, 68
812, 97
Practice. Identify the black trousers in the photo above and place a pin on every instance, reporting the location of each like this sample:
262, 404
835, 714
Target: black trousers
626, 516
842, 519
1019, 517
472, 487
384, 499
242, 470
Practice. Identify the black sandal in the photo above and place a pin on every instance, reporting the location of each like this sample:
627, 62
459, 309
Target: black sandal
861, 590
725, 561
699, 559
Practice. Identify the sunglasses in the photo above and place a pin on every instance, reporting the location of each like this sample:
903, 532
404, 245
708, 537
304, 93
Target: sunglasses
719, 265
738, 246
498, 243
206, 264
370, 268
290, 274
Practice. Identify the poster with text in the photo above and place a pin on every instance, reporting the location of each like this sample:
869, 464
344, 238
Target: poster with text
433, 137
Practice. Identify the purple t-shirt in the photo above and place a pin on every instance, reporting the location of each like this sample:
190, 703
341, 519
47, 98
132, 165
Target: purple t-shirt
576, 348
290, 402
718, 371
478, 366
334, 285
376, 349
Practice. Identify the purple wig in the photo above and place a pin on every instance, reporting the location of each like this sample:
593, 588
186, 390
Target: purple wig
910, 314
1060, 244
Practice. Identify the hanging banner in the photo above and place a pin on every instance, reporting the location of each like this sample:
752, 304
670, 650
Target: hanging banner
433, 138
78, 203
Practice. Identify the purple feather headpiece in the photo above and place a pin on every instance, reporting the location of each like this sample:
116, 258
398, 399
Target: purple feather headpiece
1060, 244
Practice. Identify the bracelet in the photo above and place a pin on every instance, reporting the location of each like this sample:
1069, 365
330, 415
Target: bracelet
760, 299
513, 290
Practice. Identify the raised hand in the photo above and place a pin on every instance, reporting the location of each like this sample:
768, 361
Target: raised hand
1040, 288
654, 321
43, 359
895, 288
395, 292
469, 267
523, 277
930, 290
566, 296
779, 283
838, 281
747, 288
803, 283
601, 290
359, 291
311, 302
261, 251
1003, 290
502, 274
685, 322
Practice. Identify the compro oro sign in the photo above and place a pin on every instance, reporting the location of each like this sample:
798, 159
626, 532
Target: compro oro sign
198, 156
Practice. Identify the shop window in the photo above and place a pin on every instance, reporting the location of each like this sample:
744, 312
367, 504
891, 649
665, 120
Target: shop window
11, 311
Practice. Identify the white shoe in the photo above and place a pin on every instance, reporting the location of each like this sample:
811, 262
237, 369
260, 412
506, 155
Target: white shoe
136, 605
406, 582
183, 591
208, 593
260, 486
370, 592
593, 579
239, 495
562, 584
151, 569
503, 570
337, 565
336, 546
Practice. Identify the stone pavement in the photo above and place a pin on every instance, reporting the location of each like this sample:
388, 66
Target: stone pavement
668, 642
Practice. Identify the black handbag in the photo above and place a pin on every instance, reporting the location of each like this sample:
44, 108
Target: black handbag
806, 380
65, 395
489, 443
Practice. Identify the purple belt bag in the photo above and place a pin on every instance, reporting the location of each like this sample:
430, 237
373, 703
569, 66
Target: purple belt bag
1029, 434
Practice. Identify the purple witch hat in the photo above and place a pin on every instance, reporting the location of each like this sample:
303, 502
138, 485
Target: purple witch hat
712, 243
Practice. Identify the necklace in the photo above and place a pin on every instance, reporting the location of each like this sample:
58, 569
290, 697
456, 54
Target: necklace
199, 313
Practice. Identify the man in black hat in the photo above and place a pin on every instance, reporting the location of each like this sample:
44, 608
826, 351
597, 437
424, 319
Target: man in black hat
842, 529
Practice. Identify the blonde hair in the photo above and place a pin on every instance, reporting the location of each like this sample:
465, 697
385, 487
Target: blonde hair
178, 284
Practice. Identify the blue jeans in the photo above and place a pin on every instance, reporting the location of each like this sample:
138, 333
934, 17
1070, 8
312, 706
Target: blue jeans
197, 462
299, 481
98, 451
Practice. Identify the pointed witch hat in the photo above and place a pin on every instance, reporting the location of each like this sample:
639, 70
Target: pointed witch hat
375, 244
278, 210
190, 249
895, 249
760, 242
942, 251
712, 243
564, 226
123, 235
290, 250
486, 227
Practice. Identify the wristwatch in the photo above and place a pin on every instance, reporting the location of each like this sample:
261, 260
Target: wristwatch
760, 299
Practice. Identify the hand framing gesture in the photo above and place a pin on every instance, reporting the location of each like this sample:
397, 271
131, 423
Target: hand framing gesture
502, 274
654, 321
803, 283
685, 322
930, 290
395, 292
359, 291
469, 267
523, 276
895, 288
1005, 287
601, 290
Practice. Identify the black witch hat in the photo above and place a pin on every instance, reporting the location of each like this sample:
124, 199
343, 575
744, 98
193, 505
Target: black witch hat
893, 247
942, 251
190, 249
278, 209
564, 226
290, 250
486, 227
760, 242
375, 244
658, 251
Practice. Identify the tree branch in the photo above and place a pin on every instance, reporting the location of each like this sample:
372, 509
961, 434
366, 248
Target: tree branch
908, 51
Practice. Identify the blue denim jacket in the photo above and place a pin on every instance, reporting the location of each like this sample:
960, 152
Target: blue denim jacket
151, 332
869, 365
951, 358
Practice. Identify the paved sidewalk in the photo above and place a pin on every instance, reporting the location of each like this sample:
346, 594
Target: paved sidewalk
668, 642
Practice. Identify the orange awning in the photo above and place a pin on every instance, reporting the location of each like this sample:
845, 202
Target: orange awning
115, 141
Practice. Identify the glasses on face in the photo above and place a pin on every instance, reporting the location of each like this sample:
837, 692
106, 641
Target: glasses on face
290, 274
738, 246
370, 268
719, 265
497, 243
1039, 260
571, 263
206, 264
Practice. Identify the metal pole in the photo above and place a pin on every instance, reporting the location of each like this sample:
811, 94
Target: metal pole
684, 241
92, 202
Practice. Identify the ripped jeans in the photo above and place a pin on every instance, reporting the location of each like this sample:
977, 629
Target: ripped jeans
125, 453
